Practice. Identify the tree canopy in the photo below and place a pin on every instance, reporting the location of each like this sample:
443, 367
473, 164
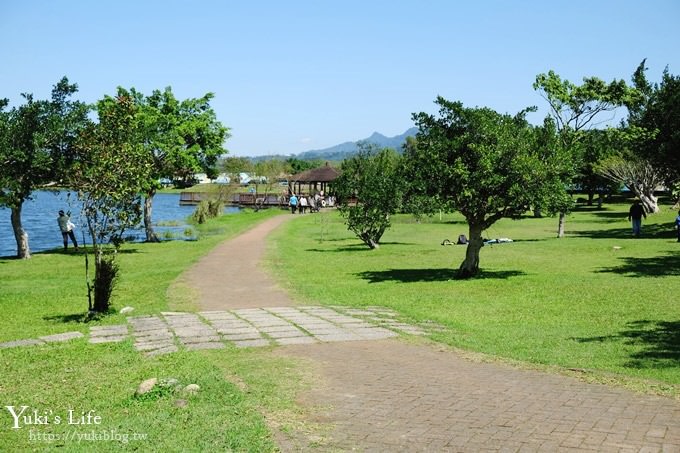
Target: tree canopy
369, 191
36, 148
482, 163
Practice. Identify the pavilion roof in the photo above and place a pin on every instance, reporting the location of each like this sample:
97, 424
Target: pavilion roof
320, 174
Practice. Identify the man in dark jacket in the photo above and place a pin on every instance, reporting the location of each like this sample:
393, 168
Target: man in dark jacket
636, 213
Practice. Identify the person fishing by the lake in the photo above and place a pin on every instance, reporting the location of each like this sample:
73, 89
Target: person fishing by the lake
66, 227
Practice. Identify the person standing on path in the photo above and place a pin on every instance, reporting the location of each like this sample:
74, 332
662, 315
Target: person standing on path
677, 225
66, 227
303, 204
293, 202
636, 213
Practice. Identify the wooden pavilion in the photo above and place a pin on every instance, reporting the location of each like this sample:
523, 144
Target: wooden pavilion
316, 179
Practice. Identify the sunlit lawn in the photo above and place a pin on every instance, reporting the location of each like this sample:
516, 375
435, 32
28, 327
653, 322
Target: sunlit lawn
597, 300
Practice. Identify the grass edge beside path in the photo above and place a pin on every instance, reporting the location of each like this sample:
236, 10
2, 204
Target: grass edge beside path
246, 396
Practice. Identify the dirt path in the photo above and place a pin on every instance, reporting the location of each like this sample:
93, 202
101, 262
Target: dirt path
389, 395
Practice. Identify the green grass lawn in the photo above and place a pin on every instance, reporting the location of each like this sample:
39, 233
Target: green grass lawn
597, 300
47, 295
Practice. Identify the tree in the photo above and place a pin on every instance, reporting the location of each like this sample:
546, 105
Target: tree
36, 149
112, 168
597, 147
484, 164
180, 137
234, 166
576, 108
369, 191
658, 112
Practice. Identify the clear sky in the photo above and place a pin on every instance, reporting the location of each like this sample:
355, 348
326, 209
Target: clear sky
290, 76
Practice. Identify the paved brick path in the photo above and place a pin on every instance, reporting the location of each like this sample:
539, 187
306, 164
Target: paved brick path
393, 396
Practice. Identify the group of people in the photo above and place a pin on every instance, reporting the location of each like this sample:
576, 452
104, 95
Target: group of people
302, 203
637, 212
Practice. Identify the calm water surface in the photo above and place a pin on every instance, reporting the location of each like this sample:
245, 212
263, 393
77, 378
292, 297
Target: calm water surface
39, 218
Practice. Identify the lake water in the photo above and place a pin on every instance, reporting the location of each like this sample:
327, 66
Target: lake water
39, 218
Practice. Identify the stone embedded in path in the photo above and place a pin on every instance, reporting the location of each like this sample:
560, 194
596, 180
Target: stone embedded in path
108, 334
66, 336
20, 343
152, 335
256, 327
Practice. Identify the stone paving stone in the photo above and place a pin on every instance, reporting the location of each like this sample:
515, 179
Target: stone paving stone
66, 336
283, 328
217, 315
204, 345
164, 350
117, 329
194, 331
148, 346
338, 337
237, 331
243, 336
287, 334
200, 339
329, 331
20, 343
164, 332
295, 340
251, 343
107, 339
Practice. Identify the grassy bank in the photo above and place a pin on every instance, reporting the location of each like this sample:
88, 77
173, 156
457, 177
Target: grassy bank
597, 300
47, 295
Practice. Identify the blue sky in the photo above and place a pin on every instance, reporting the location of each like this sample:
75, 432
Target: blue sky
290, 76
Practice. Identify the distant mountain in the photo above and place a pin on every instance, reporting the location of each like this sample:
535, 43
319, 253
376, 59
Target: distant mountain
347, 149
344, 150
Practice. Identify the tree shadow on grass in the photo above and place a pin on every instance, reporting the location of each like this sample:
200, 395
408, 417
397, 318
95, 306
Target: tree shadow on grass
428, 275
655, 231
655, 266
355, 247
659, 342
75, 318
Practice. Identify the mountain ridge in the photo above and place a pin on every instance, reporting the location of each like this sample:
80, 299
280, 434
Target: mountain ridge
349, 148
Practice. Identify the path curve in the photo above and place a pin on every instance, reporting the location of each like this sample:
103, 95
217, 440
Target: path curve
389, 395
231, 275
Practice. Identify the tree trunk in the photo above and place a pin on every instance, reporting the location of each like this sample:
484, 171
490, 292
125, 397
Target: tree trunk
591, 197
560, 226
148, 226
23, 252
649, 202
537, 212
470, 267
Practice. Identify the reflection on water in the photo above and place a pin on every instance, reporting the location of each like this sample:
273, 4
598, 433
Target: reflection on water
39, 218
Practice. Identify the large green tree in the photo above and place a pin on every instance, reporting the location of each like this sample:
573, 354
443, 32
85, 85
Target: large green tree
658, 112
576, 108
369, 192
482, 163
180, 137
36, 148
111, 170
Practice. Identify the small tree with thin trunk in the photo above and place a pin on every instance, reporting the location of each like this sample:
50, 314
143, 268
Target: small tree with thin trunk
575, 108
111, 169
369, 192
484, 164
